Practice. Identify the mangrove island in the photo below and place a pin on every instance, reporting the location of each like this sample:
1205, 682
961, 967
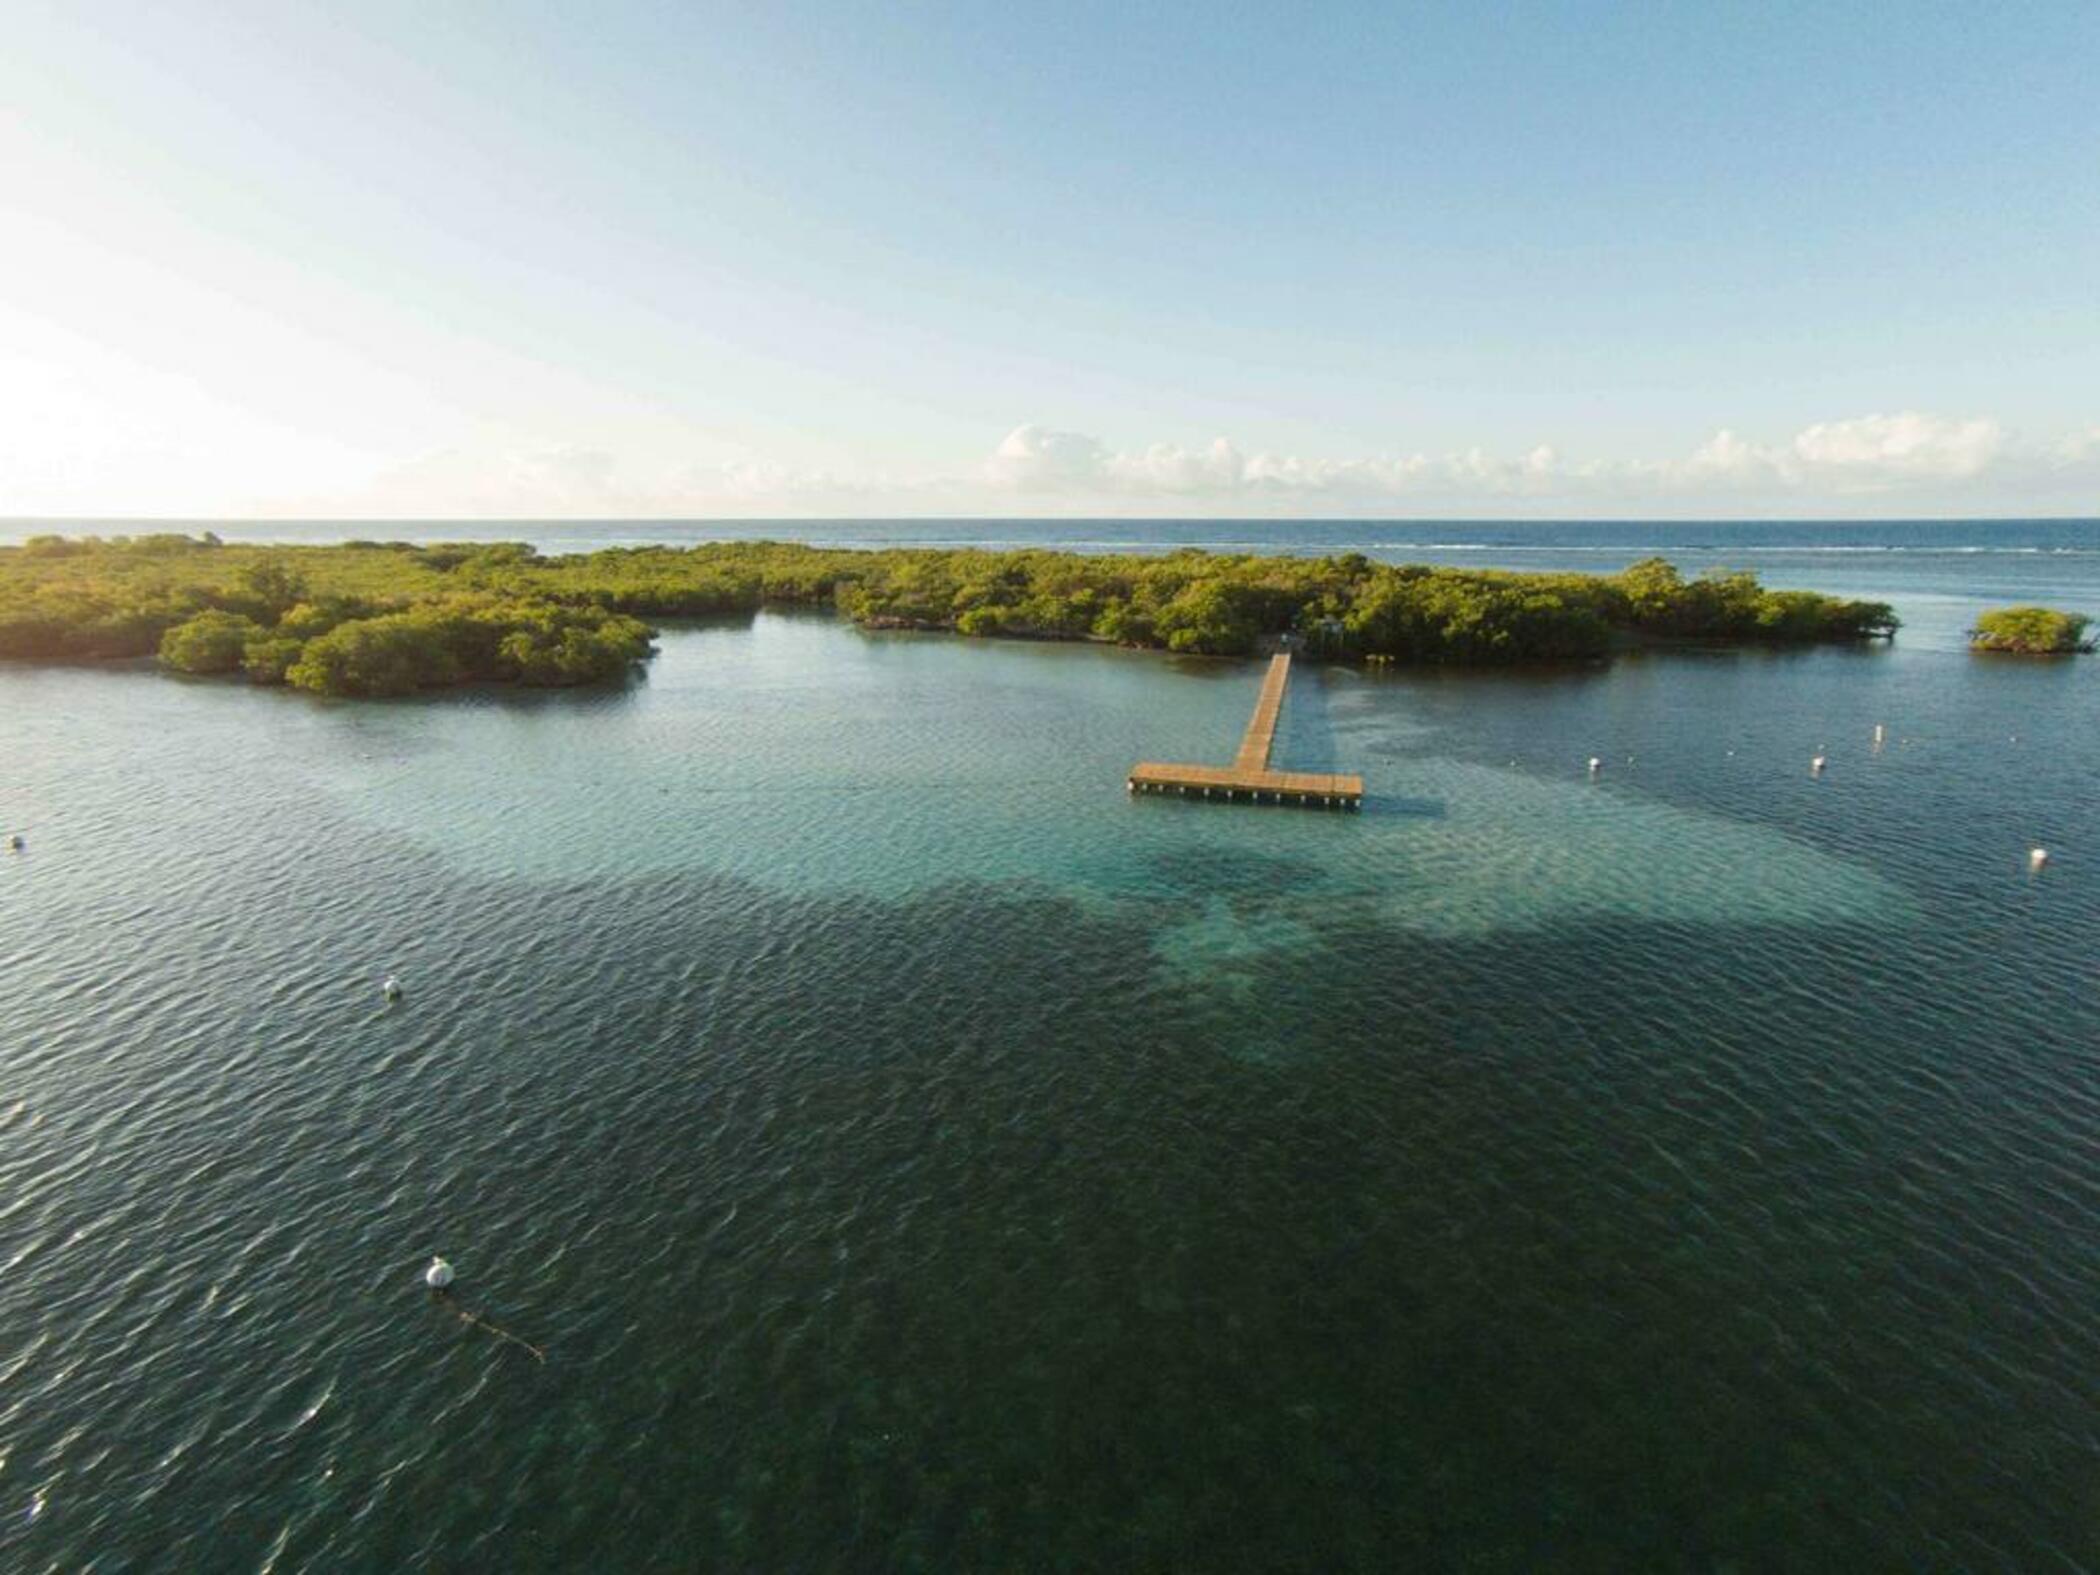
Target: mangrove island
366, 618
2031, 631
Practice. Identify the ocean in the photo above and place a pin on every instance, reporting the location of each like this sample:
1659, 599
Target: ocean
911, 1152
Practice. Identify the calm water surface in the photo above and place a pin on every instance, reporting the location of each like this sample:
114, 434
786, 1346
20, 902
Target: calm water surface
912, 1153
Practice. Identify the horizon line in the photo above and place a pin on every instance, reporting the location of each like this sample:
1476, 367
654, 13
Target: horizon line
1517, 521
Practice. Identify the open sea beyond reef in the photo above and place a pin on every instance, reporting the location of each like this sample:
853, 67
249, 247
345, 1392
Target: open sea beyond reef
912, 1152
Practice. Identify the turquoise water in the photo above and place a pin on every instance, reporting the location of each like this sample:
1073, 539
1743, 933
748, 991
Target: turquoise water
912, 1152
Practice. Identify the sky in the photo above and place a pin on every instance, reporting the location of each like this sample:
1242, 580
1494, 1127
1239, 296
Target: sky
811, 259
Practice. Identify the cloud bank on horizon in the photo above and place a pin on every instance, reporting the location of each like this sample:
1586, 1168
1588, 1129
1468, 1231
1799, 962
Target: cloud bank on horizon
1907, 462
1868, 454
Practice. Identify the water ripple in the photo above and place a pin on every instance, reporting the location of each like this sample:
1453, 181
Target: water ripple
906, 1164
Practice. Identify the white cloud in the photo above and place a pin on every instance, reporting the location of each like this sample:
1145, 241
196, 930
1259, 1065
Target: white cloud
1886, 450
1726, 458
1908, 462
1038, 459
1921, 455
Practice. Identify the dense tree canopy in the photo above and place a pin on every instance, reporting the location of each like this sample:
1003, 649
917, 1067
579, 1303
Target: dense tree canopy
2032, 631
211, 642
385, 618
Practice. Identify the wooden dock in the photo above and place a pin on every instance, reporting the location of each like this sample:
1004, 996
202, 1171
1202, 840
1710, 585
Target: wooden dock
1249, 777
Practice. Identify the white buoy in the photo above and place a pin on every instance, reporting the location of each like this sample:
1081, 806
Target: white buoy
1881, 734
391, 989
1816, 765
15, 843
2037, 857
1596, 765
439, 1275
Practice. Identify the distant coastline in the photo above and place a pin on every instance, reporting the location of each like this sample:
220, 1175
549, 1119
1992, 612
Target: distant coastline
1626, 539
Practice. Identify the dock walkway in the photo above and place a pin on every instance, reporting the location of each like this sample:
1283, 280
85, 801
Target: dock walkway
1249, 776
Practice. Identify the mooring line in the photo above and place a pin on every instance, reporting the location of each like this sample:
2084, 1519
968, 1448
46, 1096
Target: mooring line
527, 1346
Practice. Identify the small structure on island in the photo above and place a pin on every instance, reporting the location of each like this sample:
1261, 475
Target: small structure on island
1249, 776
439, 1275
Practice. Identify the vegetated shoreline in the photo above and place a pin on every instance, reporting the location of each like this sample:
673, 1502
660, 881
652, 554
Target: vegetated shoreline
366, 618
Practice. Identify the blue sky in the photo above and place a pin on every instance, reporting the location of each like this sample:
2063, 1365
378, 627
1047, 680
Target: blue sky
631, 259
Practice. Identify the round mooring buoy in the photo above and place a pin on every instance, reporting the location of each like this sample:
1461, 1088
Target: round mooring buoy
1815, 766
2037, 857
1596, 765
391, 989
439, 1275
